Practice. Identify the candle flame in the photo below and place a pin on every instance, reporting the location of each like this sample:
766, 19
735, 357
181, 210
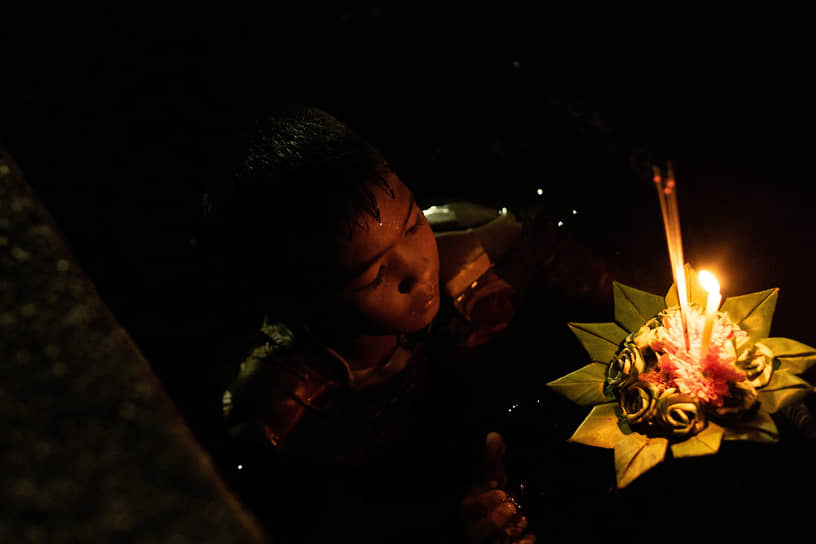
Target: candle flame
709, 282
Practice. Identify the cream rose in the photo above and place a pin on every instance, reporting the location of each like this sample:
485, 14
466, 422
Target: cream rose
757, 363
679, 414
741, 396
637, 402
651, 335
625, 367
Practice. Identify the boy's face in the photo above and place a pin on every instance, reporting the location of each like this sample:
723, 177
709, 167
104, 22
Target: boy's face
393, 266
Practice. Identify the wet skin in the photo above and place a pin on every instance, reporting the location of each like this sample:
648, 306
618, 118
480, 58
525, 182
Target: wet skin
393, 265
393, 271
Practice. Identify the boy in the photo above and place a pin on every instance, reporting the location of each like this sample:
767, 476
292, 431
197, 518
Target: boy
345, 419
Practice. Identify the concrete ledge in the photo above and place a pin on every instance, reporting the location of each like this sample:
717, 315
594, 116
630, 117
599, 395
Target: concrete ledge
92, 448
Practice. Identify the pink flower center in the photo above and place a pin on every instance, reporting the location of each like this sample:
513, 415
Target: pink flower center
702, 376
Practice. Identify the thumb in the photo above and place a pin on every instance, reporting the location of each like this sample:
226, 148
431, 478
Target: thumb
494, 460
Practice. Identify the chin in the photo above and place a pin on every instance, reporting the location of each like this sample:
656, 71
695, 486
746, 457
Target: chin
423, 317
413, 320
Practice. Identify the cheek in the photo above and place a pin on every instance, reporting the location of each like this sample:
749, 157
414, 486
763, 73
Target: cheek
386, 308
384, 304
426, 246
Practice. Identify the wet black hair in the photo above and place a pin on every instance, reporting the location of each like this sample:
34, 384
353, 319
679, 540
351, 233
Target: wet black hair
300, 178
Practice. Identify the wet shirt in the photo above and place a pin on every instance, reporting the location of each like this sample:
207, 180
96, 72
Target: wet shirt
300, 396
386, 450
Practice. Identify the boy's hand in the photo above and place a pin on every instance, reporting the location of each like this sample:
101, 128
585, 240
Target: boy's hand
489, 513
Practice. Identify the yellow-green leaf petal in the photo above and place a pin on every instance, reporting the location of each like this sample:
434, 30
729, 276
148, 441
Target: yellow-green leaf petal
753, 312
600, 428
759, 429
696, 293
705, 442
794, 357
634, 307
636, 454
601, 340
783, 389
584, 386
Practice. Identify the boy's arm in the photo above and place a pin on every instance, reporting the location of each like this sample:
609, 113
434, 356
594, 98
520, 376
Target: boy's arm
273, 391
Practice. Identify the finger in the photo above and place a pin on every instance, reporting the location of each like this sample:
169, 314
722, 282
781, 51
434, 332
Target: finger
494, 522
494, 459
483, 487
482, 503
516, 527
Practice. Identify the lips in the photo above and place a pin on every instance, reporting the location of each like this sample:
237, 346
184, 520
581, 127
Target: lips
424, 298
429, 295
424, 306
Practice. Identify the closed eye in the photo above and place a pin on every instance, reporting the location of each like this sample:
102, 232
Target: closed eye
377, 281
420, 220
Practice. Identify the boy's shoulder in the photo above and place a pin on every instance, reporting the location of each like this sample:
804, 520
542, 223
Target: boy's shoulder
280, 348
284, 375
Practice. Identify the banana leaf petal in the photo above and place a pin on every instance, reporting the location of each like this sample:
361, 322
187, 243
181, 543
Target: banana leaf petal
696, 293
783, 389
753, 312
634, 307
706, 442
585, 386
794, 357
636, 454
759, 429
600, 340
600, 428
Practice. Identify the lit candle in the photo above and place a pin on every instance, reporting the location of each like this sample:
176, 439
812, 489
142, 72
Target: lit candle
712, 286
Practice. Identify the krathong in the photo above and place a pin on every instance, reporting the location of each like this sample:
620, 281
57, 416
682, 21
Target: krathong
656, 385
649, 395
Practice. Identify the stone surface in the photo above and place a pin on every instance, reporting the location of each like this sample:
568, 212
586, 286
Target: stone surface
92, 448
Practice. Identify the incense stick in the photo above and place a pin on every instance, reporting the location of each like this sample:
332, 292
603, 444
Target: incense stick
667, 195
682, 285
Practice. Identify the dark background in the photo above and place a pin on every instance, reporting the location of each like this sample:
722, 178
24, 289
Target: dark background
116, 119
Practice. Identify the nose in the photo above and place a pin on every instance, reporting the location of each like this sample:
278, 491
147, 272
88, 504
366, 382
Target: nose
407, 285
415, 276
416, 270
